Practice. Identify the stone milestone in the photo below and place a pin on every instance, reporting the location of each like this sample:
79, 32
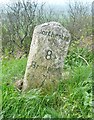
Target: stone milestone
48, 49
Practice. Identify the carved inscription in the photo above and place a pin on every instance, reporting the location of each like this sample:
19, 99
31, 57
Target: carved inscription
34, 65
66, 38
49, 54
51, 34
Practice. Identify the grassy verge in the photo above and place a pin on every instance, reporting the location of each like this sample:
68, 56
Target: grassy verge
72, 99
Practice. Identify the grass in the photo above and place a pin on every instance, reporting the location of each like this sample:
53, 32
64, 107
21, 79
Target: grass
72, 99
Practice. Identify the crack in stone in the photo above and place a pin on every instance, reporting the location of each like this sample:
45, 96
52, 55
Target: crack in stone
43, 80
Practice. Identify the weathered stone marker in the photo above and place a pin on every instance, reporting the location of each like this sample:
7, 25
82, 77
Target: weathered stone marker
48, 49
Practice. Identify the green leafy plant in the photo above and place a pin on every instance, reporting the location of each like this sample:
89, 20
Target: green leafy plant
71, 100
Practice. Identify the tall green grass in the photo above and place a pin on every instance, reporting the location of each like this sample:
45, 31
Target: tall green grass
72, 99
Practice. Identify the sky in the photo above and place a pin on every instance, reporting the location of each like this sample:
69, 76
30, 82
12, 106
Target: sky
47, 1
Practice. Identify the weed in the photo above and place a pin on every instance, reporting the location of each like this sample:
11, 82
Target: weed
71, 100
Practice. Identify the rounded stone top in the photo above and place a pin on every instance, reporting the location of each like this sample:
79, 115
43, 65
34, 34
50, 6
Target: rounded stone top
50, 23
51, 26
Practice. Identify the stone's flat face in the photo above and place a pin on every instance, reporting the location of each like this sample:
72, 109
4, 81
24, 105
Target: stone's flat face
48, 49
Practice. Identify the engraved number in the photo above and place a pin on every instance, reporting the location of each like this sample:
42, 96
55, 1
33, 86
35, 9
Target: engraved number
49, 54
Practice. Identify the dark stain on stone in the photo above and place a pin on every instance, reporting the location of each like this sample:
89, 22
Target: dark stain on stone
66, 38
